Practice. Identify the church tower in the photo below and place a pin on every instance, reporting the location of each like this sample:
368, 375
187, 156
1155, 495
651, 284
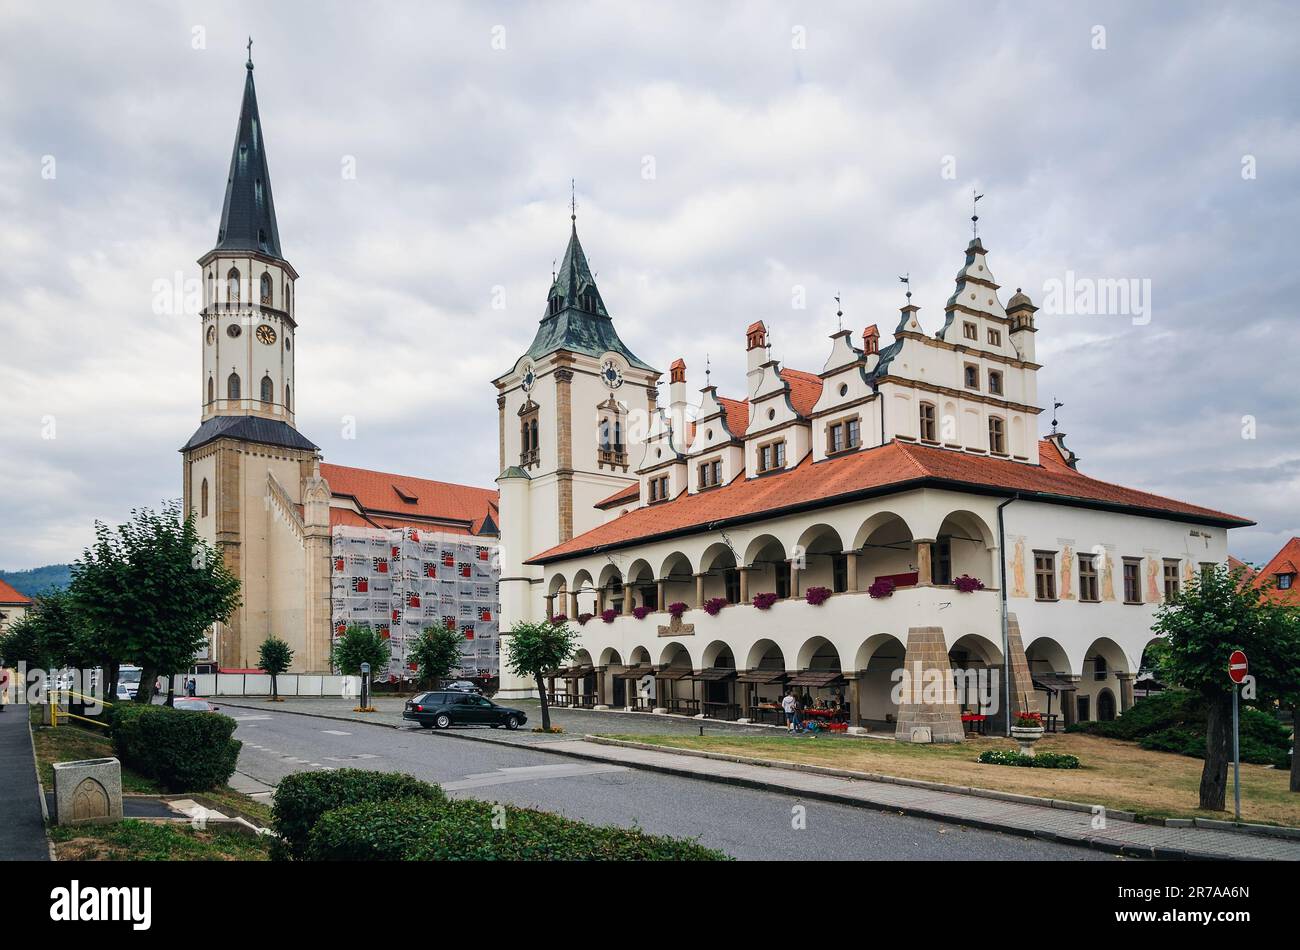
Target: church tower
247, 467
573, 414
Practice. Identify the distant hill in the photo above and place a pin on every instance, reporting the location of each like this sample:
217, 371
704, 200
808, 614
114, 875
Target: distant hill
39, 579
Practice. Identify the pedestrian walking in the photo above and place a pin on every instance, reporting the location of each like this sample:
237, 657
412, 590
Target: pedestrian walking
791, 707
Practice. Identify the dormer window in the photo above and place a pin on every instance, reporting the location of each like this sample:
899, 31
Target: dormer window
842, 436
1285, 581
970, 331
711, 473
771, 457
972, 376
658, 488
929, 426
995, 337
995, 383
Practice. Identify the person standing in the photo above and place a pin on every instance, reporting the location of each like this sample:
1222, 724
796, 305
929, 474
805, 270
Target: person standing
791, 707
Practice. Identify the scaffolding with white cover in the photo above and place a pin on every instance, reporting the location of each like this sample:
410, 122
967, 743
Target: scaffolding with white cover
399, 581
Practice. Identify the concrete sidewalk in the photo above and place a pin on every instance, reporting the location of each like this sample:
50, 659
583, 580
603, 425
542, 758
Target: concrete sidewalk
20, 795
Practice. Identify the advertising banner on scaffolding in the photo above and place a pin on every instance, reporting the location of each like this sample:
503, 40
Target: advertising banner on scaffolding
399, 581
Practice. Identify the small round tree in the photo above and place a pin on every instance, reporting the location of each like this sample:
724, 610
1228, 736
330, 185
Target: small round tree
536, 648
436, 654
274, 656
360, 644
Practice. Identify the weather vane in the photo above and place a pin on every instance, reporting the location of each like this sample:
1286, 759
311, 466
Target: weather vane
1055, 406
975, 217
906, 279
839, 311
707, 369
573, 200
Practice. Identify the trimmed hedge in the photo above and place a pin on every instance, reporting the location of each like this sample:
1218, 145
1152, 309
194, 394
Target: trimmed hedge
303, 797
1174, 721
182, 750
1039, 760
472, 830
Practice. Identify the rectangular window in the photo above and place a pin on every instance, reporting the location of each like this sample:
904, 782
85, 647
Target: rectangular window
654, 489
764, 458
663, 486
717, 472
731, 580
970, 331
972, 376
855, 433
1284, 581
706, 469
839, 573
835, 438
778, 453
1088, 578
1171, 578
1045, 575
995, 337
928, 427
781, 571
995, 382
941, 561
997, 438
1132, 580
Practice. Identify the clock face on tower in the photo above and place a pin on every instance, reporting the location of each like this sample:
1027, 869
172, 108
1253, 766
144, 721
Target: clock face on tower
266, 334
611, 374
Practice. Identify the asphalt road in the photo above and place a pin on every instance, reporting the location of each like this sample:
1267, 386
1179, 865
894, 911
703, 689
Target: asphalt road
745, 823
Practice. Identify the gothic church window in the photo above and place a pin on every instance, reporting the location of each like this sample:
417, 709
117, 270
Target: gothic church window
288, 404
211, 388
203, 499
232, 386
268, 390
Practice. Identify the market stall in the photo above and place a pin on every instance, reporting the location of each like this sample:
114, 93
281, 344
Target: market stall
759, 694
669, 684
821, 698
634, 675
716, 687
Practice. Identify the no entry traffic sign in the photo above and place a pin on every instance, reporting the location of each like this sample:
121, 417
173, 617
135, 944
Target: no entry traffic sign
1237, 666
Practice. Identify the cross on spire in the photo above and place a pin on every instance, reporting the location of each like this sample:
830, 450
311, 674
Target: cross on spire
250, 53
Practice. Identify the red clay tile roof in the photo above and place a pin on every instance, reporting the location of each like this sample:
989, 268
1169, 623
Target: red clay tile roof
895, 466
10, 597
1283, 562
805, 389
630, 493
399, 500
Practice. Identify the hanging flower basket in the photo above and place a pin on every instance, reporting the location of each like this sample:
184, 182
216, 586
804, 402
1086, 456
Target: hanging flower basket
677, 609
966, 583
559, 620
713, 605
817, 595
881, 588
583, 618
764, 601
609, 614
640, 613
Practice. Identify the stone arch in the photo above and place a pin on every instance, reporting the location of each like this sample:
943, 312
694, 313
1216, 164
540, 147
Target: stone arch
678, 577
767, 567
675, 655
676, 563
722, 579
964, 544
874, 524
610, 657
765, 655
557, 585
583, 588
582, 657
717, 555
818, 653
639, 656
718, 653
1045, 655
822, 552
884, 645
610, 576
876, 660
768, 545
1113, 655
974, 650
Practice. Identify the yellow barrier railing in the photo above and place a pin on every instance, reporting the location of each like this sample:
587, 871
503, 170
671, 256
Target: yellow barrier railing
55, 712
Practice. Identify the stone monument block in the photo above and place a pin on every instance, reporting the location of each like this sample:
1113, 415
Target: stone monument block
88, 792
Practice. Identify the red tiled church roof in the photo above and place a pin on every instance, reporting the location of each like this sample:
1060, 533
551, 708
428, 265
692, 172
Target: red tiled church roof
11, 597
395, 501
895, 466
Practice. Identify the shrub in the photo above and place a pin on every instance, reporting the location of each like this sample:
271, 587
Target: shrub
183, 751
640, 613
462, 830
713, 605
609, 615
764, 601
817, 595
1043, 760
677, 609
303, 797
1174, 721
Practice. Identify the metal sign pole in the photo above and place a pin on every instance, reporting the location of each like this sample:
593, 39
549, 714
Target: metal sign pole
1236, 755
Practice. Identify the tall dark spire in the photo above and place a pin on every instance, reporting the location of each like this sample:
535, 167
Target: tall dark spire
248, 214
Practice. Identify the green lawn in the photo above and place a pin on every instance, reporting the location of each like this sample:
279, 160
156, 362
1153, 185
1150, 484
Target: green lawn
133, 840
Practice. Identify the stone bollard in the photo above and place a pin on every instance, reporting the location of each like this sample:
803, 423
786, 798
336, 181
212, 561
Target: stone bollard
88, 792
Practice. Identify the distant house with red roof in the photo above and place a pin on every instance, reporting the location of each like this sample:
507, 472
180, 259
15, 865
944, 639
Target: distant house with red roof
1278, 576
13, 605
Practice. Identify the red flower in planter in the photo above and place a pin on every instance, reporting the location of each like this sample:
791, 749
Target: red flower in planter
583, 618
640, 613
677, 609
764, 601
608, 614
966, 583
881, 588
559, 619
817, 595
713, 605
1029, 720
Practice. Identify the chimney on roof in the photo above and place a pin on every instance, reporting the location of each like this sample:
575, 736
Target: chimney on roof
756, 353
871, 340
677, 404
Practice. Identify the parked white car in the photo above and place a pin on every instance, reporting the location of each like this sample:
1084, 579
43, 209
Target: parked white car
128, 682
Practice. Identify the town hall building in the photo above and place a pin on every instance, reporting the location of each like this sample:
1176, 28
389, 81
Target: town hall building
889, 516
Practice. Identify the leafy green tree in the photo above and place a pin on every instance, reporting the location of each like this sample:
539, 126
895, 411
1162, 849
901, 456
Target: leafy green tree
274, 656
1212, 616
360, 644
536, 648
436, 654
150, 591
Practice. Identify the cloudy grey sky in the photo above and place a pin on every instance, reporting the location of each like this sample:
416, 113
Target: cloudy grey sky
724, 154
